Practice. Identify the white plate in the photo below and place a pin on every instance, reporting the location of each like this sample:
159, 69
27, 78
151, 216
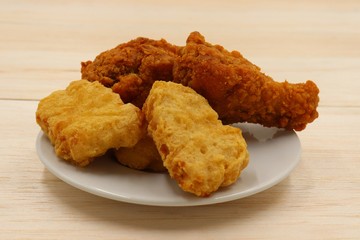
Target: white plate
273, 155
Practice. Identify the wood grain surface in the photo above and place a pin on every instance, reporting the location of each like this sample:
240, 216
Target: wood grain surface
42, 44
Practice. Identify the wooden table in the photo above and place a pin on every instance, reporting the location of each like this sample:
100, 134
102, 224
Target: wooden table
42, 44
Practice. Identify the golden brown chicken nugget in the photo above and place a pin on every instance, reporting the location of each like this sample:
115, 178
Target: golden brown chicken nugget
199, 152
86, 119
143, 156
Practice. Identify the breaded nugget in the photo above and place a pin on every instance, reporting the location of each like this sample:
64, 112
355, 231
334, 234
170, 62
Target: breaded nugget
87, 119
199, 152
143, 156
238, 90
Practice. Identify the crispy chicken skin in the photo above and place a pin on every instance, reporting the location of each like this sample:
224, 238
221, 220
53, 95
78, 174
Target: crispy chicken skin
199, 152
234, 87
239, 91
131, 68
87, 119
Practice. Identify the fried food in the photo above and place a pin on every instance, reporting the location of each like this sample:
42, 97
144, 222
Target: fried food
143, 156
198, 151
87, 119
234, 87
131, 68
238, 90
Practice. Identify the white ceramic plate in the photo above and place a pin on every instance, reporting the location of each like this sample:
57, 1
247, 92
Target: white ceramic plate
273, 155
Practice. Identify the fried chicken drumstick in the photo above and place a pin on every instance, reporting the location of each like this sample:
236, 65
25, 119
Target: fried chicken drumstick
236, 89
239, 92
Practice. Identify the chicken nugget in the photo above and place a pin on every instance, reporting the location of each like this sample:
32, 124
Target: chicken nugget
143, 156
199, 152
86, 119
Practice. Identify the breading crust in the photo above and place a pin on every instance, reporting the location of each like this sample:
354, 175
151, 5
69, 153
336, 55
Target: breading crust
199, 152
238, 90
86, 120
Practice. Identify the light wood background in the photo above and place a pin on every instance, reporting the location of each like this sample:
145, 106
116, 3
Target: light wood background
42, 44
